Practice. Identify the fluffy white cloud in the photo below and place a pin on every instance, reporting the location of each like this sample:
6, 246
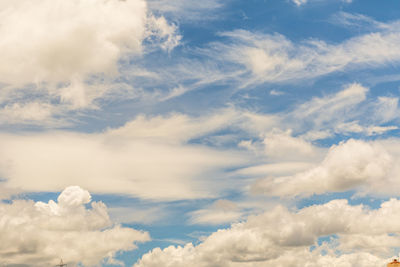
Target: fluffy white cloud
355, 236
354, 164
38, 234
67, 47
58, 40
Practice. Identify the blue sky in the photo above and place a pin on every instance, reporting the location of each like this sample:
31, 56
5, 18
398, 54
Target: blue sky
215, 133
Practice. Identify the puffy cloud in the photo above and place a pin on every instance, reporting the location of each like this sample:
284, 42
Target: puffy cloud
72, 49
65, 39
354, 236
354, 164
38, 234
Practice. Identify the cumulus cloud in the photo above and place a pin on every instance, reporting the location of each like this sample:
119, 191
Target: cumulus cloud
354, 236
67, 39
365, 166
38, 233
66, 47
63, 39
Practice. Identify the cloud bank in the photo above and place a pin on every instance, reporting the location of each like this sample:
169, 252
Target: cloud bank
351, 236
39, 234
352, 165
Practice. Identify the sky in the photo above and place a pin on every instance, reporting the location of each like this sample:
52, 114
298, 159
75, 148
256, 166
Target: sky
175, 133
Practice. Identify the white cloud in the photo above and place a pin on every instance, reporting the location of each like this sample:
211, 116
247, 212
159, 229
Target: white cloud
303, 2
275, 58
300, 2
69, 47
386, 108
276, 92
222, 211
38, 234
186, 10
275, 169
341, 104
25, 112
144, 215
282, 145
357, 21
344, 112
185, 153
146, 158
175, 128
367, 167
58, 40
355, 236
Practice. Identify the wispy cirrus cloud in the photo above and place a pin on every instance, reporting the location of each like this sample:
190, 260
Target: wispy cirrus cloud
187, 10
245, 59
274, 58
303, 2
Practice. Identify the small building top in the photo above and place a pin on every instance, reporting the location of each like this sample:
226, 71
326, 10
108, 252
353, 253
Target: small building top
394, 263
